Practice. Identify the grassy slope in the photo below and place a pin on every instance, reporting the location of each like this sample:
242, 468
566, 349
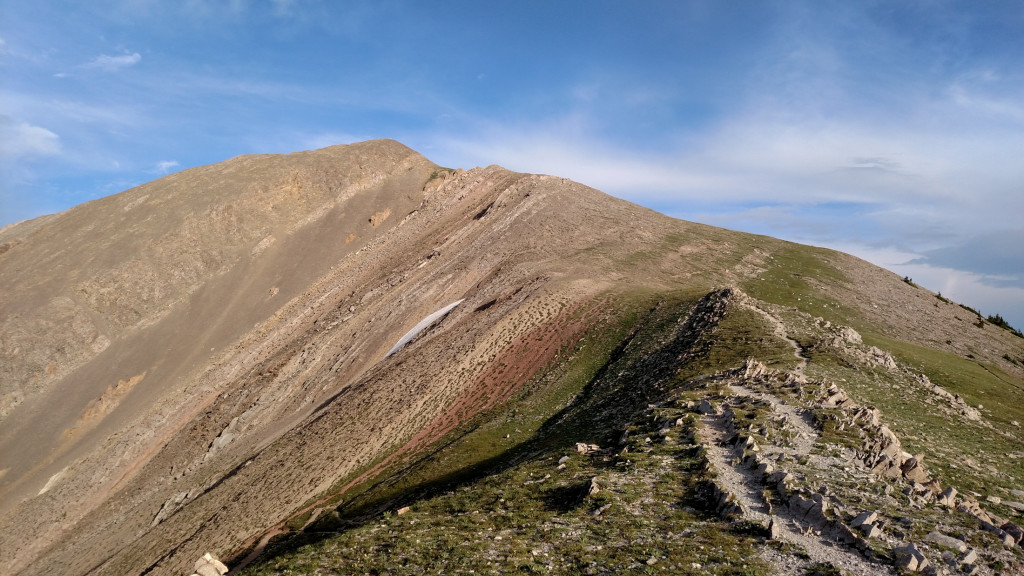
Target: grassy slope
490, 497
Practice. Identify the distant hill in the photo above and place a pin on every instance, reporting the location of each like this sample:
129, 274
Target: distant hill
352, 360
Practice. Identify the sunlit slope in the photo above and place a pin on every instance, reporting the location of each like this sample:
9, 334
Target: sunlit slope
230, 377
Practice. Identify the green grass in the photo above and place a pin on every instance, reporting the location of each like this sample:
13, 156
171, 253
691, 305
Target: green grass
785, 283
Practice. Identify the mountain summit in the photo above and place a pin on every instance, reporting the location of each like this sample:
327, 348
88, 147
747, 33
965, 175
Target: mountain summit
353, 360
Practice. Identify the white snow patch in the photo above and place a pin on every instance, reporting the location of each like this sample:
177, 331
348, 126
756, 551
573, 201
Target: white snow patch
421, 326
53, 480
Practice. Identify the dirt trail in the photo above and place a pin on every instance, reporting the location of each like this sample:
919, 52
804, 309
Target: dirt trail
778, 328
800, 420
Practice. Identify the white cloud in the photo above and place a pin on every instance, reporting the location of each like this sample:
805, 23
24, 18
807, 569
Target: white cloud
23, 140
165, 166
114, 63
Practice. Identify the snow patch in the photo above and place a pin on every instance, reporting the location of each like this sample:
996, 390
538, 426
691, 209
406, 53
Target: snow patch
421, 326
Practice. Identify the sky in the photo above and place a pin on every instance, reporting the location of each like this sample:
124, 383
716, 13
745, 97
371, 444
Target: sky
890, 130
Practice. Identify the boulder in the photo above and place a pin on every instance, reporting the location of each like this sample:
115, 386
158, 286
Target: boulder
808, 511
864, 518
209, 565
707, 407
946, 541
913, 470
850, 335
834, 396
1014, 531
999, 533
910, 558
948, 497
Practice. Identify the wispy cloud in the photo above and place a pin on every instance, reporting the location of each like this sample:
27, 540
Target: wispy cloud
24, 140
165, 166
114, 63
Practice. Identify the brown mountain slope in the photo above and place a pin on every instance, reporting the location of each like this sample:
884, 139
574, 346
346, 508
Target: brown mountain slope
187, 363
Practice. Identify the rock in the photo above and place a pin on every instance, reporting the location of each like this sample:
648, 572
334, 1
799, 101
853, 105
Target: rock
1018, 506
807, 511
906, 561
765, 469
707, 407
971, 507
209, 565
969, 557
1003, 537
910, 558
753, 369
913, 469
870, 530
774, 530
403, 510
744, 445
842, 533
946, 541
834, 396
948, 497
563, 459
864, 518
994, 499
850, 335
594, 487
786, 480
1014, 531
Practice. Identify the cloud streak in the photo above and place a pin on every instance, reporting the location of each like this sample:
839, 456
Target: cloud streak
108, 63
22, 140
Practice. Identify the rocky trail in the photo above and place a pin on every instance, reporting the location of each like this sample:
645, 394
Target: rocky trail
747, 488
763, 440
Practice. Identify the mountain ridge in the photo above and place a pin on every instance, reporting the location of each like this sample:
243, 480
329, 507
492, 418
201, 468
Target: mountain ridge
280, 292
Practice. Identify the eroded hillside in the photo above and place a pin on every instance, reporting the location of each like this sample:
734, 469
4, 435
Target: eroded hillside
201, 363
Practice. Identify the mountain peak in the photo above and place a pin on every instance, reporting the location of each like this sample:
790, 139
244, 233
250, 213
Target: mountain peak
270, 345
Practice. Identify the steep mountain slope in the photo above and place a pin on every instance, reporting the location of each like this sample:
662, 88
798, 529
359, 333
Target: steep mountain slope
198, 363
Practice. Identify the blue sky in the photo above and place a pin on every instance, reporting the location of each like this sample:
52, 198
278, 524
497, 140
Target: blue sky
891, 130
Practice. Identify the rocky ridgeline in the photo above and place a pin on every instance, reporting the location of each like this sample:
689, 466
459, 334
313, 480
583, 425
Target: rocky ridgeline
774, 469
